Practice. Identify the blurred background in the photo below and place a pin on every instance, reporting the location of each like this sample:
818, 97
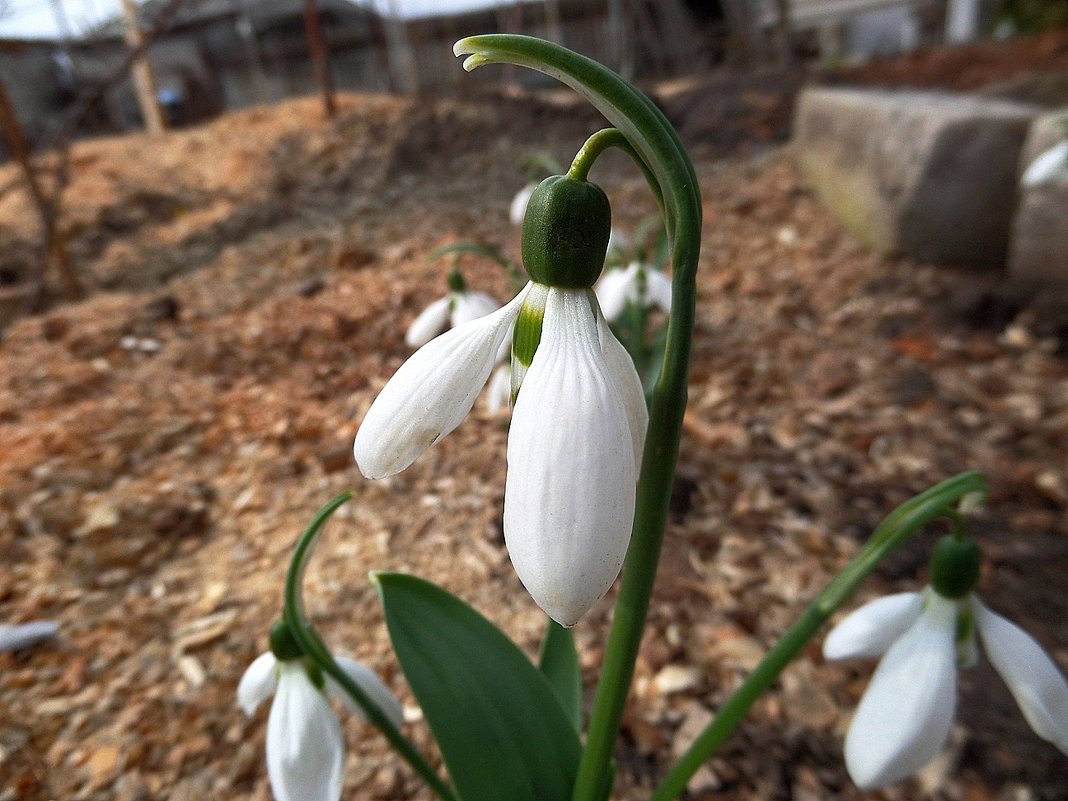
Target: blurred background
219, 217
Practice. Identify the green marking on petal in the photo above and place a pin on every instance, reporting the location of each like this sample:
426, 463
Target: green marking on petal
527, 333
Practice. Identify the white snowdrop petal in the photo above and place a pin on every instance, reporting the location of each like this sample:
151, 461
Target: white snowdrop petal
16, 637
906, 713
305, 748
1033, 678
870, 630
430, 394
658, 290
499, 391
428, 324
469, 306
1046, 165
569, 495
504, 352
257, 683
368, 681
628, 385
518, 208
611, 291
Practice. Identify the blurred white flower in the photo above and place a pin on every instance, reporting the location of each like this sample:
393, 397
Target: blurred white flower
305, 748
518, 209
499, 391
456, 308
904, 718
636, 284
17, 637
618, 242
1047, 165
574, 446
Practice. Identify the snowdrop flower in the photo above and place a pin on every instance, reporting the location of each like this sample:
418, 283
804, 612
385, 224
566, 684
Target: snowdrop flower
904, 718
305, 748
518, 209
1047, 165
456, 308
499, 392
26, 635
579, 417
635, 284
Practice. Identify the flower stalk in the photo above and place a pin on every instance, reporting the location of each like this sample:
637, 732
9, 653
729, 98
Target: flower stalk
660, 155
315, 650
895, 529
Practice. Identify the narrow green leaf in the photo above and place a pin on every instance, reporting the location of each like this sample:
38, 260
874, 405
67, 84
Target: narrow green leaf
460, 248
496, 719
558, 660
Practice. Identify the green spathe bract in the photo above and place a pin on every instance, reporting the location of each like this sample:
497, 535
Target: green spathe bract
565, 232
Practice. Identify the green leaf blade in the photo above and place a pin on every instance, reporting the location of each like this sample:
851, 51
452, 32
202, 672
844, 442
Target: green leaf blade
558, 662
496, 718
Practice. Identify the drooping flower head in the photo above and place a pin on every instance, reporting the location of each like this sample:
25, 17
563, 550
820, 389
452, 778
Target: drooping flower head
905, 715
579, 416
636, 283
305, 747
456, 308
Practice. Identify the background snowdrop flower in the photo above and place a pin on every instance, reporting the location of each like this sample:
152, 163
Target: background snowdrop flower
499, 390
305, 747
26, 635
1047, 165
905, 715
518, 209
456, 308
636, 284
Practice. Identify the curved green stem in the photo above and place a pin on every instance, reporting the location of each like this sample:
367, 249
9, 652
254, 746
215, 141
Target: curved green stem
897, 527
657, 144
600, 142
314, 648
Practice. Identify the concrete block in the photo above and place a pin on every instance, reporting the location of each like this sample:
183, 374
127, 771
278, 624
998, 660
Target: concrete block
1039, 252
926, 175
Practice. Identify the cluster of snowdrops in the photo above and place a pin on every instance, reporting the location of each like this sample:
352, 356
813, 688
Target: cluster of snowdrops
591, 361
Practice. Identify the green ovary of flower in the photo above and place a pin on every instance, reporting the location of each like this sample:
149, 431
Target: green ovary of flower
565, 232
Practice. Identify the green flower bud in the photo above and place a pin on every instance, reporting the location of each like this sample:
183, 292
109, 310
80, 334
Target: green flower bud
565, 232
955, 566
283, 644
